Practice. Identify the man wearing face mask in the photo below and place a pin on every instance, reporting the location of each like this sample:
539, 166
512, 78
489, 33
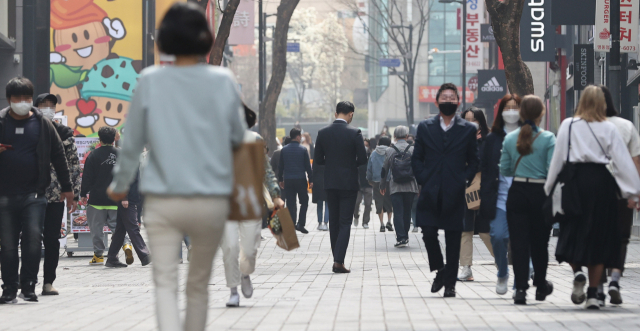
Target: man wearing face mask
444, 161
55, 208
340, 148
29, 145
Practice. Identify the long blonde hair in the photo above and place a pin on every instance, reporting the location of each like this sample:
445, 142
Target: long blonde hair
531, 108
592, 106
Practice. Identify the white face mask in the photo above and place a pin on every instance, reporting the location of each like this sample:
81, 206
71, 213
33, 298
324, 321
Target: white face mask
48, 112
21, 108
511, 116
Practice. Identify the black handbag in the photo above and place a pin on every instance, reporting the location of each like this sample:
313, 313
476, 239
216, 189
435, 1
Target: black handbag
570, 199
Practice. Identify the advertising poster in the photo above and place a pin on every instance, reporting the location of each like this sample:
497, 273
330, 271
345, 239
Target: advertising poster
95, 60
79, 217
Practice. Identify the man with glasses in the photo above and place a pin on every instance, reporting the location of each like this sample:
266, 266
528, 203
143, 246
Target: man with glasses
444, 161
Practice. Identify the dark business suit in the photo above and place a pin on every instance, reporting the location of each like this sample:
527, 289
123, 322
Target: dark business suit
443, 163
340, 148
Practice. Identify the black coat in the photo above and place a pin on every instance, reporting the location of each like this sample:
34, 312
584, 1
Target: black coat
472, 219
318, 191
340, 148
490, 168
443, 163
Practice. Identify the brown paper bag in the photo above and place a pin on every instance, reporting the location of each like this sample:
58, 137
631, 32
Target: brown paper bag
472, 195
247, 202
288, 240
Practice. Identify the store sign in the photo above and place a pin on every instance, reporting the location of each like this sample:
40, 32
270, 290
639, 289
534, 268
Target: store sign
473, 83
573, 12
486, 33
583, 66
243, 26
628, 26
427, 94
474, 52
492, 84
537, 34
293, 47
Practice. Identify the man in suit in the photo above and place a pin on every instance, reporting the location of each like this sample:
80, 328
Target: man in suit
444, 161
340, 148
293, 171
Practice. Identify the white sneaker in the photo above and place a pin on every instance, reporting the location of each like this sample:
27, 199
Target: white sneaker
415, 229
366, 226
592, 303
324, 227
579, 281
246, 286
466, 275
502, 286
355, 221
234, 300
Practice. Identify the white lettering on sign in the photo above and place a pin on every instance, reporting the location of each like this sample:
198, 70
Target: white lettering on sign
537, 26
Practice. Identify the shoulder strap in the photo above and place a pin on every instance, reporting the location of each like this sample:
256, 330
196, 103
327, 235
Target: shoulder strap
598, 141
521, 156
407, 149
396, 148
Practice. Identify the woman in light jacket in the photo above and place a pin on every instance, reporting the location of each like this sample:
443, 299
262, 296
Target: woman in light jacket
592, 239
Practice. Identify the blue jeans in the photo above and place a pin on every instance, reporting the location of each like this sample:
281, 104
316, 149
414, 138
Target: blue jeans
414, 210
24, 212
326, 211
500, 241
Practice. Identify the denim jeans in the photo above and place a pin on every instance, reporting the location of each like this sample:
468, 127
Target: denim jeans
500, 241
414, 210
326, 211
402, 204
24, 212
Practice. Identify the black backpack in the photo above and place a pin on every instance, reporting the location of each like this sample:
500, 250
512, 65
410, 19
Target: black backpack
401, 166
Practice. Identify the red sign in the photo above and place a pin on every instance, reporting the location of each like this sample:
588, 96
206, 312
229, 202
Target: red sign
427, 94
473, 83
459, 18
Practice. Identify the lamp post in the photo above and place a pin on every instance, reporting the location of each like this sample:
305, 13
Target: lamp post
463, 52
262, 52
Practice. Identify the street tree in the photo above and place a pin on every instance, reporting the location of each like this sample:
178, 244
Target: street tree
220, 41
331, 58
505, 20
396, 28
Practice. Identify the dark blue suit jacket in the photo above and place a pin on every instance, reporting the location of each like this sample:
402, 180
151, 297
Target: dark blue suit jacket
443, 163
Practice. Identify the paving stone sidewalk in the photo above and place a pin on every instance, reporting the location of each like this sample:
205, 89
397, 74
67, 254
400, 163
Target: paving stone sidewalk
388, 289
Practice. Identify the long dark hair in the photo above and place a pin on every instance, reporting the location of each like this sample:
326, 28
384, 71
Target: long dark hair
530, 110
482, 120
611, 108
498, 123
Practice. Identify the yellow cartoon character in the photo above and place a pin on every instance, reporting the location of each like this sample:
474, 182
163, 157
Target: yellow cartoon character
109, 85
83, 34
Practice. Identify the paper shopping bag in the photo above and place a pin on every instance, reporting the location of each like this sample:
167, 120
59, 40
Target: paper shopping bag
472, 194
248, 171
287, 239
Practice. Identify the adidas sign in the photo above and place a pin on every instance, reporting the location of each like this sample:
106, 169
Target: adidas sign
492, 86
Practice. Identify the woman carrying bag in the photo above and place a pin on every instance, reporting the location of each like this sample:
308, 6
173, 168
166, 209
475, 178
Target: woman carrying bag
526, 155
589, 234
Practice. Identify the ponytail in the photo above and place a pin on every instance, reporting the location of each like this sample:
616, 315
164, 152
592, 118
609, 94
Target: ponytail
530, 109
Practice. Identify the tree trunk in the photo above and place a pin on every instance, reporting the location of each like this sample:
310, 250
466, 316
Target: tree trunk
223, 32
267, 117
505, 20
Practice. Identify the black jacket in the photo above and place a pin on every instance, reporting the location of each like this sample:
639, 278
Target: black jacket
340, 148
50, 152
318, 191
472, 219
490, 168
443, 163
98, 174
134, 192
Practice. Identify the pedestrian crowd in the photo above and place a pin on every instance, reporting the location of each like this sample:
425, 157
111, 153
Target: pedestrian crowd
586, 179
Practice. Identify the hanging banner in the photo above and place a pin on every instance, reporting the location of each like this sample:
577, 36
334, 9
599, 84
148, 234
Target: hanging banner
583, 66
628, 26
537, 34
243, 26
79, 217
474, 53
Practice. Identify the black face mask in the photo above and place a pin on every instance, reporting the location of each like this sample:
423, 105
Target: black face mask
448, 108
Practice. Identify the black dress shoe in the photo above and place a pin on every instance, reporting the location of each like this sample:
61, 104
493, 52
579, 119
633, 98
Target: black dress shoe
340, 269
8, 294
449, 292
520, 297
302, 229
438, 282
543, 291
114, 264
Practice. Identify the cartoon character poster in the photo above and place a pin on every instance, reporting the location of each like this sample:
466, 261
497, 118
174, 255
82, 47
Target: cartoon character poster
79, 218
96, 58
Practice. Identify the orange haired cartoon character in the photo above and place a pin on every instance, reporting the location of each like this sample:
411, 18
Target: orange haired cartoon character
83, 34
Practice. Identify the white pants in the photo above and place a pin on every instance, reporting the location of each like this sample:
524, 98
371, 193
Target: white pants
241, 240
168, 220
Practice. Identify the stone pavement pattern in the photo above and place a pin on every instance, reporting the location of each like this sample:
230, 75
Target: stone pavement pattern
388, 289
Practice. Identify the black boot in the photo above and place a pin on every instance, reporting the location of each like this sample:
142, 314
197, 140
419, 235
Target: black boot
28, 292
8, 294
543, 291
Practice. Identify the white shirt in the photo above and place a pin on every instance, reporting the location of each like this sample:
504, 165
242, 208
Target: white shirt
340, 119
585, 149
628, 133
447, 127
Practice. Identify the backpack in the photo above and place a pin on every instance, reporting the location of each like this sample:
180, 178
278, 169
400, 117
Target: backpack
401, 166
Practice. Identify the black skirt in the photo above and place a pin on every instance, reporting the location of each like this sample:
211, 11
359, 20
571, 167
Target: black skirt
593, 237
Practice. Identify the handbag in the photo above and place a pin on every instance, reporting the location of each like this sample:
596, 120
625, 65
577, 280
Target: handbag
248, 166
564, 197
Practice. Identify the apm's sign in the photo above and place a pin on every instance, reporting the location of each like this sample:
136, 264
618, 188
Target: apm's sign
537, 34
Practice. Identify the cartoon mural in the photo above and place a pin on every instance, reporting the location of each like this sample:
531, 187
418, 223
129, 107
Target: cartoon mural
95, 60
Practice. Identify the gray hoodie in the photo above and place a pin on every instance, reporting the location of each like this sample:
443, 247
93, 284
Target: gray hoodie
376, 160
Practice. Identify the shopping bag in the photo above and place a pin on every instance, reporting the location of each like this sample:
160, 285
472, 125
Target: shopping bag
472, 194
287, 238
248, 171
